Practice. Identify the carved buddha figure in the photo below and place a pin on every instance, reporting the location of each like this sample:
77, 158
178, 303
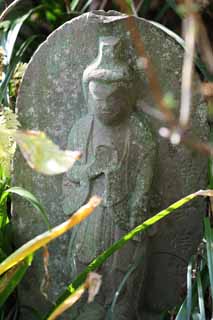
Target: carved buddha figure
118, 152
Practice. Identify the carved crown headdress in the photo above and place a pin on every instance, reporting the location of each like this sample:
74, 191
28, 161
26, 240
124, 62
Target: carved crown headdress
111, 64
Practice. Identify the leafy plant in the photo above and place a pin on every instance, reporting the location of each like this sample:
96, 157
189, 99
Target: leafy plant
42, 155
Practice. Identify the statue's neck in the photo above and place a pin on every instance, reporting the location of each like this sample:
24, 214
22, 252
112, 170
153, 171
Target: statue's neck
112, 136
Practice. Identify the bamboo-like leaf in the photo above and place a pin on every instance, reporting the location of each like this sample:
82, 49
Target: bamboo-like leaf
44, 238
11, 279
42, 154
31, 198
200, 297
209, 248
98, 261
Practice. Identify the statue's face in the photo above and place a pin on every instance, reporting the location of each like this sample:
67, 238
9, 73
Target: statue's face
110, 101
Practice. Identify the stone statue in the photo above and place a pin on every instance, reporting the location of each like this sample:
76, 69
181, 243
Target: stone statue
124, 160
118, 155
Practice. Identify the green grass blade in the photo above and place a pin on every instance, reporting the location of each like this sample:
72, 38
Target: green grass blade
209, 248
196, 316
200, 297
189, 291
182, 312
12, 66
12, 36
32, 199
118, 291
10, 280
131, 6
87, 4
74, 4
78, 281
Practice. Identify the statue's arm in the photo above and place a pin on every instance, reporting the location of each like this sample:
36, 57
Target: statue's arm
75, 173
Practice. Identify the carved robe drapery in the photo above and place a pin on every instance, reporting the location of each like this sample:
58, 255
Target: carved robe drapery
122, 184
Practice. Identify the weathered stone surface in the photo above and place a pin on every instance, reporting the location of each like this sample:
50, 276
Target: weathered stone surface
51, 99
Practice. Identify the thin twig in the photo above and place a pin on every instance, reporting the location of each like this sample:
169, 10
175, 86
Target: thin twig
150, 70
67, 6
189, 28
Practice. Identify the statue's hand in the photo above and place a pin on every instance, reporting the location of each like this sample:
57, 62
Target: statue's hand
103, 160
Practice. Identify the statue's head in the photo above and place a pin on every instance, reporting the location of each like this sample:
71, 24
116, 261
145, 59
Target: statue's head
108, 82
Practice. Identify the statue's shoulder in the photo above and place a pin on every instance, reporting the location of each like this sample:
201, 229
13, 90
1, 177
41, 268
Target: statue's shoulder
81, 126
79, 132
83, 123
141, 130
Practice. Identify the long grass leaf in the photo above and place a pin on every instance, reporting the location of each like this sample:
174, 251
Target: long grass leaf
118, 291
74, 4
181, 315
32, 199
12, 66
13, 34
189, 291
10, 280
200, 297
44, 238
99, 260
209, 248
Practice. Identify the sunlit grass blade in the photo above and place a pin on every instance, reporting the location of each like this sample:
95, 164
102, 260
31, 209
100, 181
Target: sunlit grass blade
200, 297
31, 198
99, 260
209, 248
10, 280
44, 238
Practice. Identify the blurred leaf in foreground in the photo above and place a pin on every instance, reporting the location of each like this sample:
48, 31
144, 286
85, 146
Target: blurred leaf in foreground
92, 283
42, 154
43, 239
